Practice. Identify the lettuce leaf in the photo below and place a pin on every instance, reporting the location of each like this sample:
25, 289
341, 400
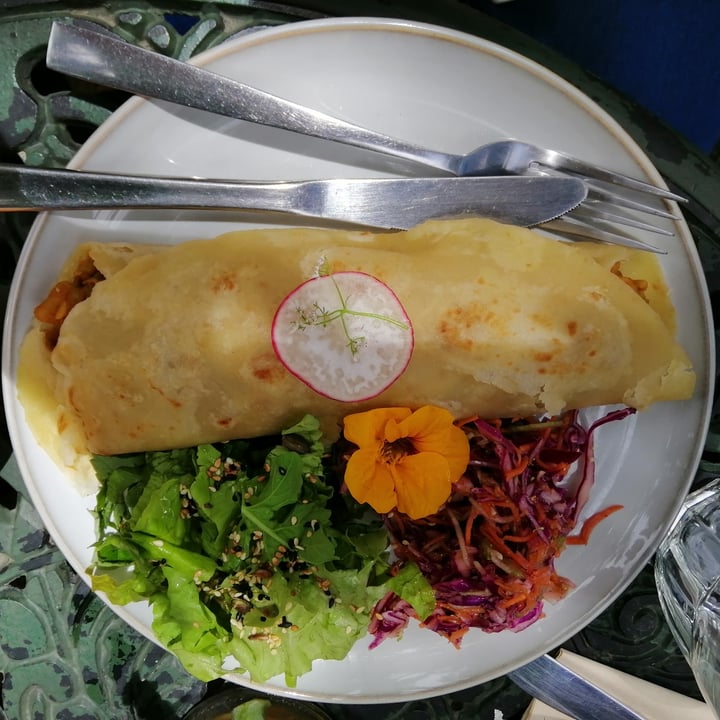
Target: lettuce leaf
244, 550
251, 710
413, 587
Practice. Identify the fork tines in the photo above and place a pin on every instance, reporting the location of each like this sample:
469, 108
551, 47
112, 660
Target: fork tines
574, 227
612, 200
555, 160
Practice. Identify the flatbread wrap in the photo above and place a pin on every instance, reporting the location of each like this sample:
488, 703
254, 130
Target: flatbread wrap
172, 346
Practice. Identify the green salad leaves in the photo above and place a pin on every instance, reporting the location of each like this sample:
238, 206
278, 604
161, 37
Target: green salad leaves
250, 559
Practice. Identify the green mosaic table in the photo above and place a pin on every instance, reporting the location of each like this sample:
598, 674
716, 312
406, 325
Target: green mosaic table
63, 653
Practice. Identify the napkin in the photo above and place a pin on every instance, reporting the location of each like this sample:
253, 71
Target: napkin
651, 701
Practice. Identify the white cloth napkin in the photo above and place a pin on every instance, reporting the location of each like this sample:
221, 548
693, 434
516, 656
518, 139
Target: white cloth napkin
651, 701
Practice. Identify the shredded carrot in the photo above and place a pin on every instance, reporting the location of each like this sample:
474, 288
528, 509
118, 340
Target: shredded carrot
469, 526
518, 469
518, 538
491, 534
590, 524
515, 600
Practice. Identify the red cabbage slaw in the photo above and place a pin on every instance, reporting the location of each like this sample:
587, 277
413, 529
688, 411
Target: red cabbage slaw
489, 552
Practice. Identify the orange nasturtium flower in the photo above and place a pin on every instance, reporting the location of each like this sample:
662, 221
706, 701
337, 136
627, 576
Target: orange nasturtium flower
405, 460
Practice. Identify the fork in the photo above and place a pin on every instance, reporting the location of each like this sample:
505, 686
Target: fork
101, 58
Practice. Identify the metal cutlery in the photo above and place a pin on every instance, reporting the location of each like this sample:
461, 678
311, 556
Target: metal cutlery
391, 203
561, 688
101, 58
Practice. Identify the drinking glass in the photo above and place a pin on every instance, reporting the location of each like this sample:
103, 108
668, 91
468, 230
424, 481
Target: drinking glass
687, 572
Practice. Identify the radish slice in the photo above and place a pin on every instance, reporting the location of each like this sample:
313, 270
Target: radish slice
346, 335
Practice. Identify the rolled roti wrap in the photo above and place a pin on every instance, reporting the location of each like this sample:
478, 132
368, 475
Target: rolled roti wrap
173, 348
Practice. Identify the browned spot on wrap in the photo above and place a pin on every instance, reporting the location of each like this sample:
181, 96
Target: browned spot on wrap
267, 368
224, 281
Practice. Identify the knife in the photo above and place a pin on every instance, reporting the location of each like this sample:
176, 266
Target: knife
561, 688
388, 203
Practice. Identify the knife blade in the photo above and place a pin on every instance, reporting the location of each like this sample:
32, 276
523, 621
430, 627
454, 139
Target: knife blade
387, 203
561, 688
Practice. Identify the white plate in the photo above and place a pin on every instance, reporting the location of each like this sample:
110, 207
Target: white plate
452, 92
